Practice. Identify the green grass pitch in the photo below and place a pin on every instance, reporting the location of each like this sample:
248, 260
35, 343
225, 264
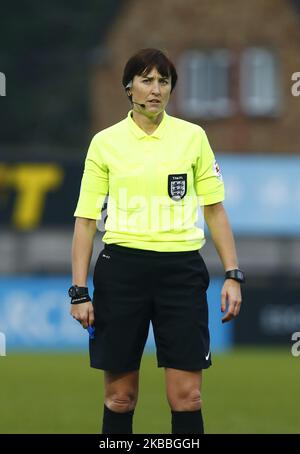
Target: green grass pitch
245, 391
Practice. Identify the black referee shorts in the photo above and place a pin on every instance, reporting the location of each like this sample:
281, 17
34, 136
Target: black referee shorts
134, 286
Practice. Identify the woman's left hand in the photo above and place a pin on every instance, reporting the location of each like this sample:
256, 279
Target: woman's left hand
231, 296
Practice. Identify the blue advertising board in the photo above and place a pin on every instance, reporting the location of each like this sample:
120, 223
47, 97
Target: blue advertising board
262, 193
34, 315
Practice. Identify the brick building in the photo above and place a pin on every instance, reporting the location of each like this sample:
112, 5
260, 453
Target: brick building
235, 60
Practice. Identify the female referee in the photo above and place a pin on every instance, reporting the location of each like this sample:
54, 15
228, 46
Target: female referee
157, 171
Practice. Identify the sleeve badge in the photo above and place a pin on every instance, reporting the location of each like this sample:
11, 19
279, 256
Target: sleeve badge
217, 170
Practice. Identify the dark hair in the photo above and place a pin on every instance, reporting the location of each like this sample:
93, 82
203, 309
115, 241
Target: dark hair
144, 61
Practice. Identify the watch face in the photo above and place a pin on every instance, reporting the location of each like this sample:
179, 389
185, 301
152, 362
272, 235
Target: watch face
72, 292
240, 275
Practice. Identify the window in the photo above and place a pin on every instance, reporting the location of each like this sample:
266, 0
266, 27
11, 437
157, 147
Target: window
259, 82
204, 87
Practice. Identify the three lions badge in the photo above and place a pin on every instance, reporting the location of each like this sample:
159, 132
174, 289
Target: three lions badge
177, 186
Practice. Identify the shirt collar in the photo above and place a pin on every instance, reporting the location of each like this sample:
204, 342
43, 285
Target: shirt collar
140, 134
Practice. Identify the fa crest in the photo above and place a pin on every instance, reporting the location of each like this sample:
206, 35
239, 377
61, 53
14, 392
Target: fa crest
177, 186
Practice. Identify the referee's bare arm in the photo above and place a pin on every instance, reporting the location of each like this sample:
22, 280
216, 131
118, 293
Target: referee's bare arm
221, 233
82, 249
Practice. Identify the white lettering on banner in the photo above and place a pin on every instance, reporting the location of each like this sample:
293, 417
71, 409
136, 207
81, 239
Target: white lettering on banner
2, 344
279, 319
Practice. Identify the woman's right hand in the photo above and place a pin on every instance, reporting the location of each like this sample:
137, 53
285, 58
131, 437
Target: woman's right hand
84, 313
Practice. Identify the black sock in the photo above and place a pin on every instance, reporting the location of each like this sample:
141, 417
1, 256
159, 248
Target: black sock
187, 422
117, 423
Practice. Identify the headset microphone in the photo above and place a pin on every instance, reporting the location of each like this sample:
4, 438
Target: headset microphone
128, 87
142, 105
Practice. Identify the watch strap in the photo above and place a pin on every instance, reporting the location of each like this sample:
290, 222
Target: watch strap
235, 274
78, 294
80, 299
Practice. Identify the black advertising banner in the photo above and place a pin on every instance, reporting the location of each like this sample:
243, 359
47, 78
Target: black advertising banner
270, 312
36, 194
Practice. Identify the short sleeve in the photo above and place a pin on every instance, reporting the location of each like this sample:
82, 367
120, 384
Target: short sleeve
208, 179
94, 184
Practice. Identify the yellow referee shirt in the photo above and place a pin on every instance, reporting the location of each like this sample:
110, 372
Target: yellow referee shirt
155, 184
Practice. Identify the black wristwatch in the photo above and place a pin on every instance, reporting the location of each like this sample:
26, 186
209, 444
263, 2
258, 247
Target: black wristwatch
236, 274
79, 295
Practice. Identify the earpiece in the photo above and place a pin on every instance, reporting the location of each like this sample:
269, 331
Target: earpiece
127, 88
129, 94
